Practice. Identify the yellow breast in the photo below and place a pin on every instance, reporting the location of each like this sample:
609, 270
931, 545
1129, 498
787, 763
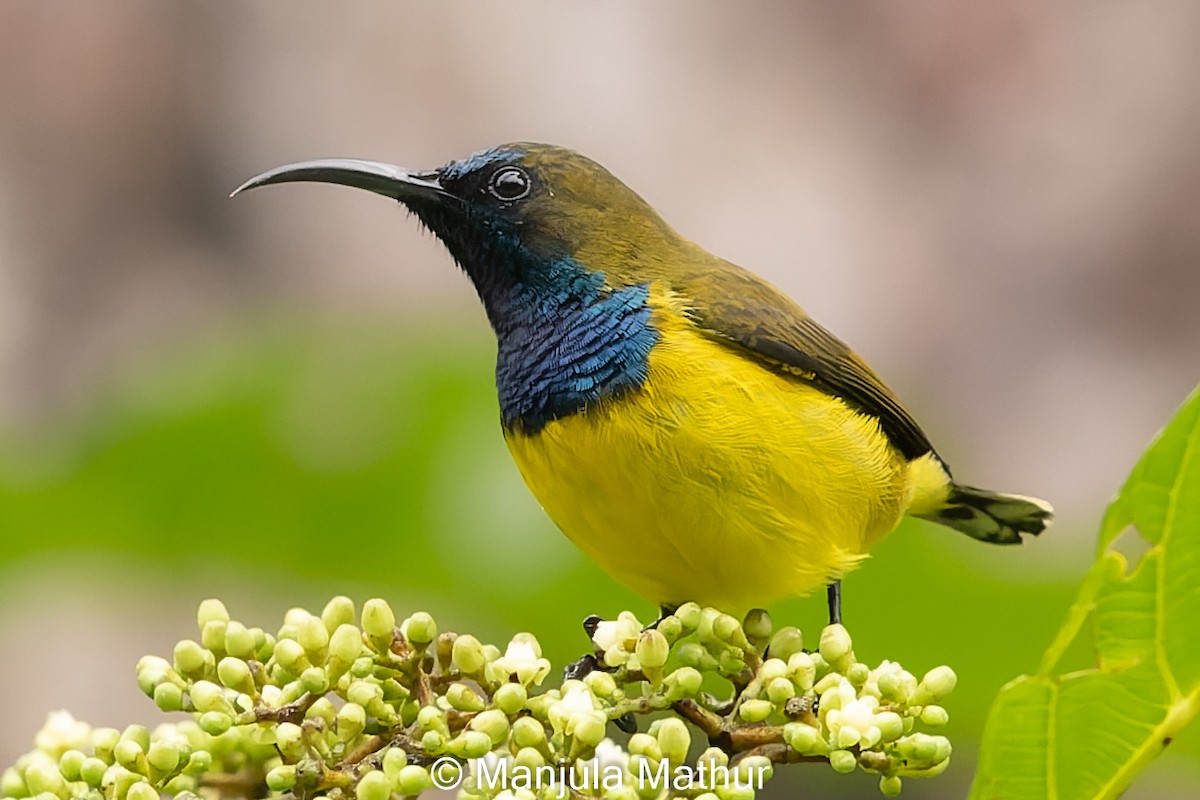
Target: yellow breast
718, 481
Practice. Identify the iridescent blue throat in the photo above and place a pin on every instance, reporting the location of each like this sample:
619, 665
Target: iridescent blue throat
561, 350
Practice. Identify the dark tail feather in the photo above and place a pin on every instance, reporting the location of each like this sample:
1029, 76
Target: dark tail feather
991, 516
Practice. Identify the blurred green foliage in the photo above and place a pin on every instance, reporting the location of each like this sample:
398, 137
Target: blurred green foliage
355, 456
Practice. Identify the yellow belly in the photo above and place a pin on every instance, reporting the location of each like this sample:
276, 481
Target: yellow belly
718, 481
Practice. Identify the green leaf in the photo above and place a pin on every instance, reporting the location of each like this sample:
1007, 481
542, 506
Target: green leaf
1086, 734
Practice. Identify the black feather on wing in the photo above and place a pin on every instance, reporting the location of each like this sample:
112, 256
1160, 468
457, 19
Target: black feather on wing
741, 310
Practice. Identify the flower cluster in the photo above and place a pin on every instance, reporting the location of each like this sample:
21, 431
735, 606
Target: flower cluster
346, 704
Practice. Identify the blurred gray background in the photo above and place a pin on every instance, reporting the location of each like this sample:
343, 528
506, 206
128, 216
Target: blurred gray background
998, 205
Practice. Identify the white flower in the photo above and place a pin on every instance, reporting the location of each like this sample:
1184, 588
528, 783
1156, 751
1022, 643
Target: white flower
522, 658
62, 732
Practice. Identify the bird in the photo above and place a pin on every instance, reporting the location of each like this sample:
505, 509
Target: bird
681, 420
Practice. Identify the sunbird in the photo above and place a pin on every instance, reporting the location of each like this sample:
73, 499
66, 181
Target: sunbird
685, 423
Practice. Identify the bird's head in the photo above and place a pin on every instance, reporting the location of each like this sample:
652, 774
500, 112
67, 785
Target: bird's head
523, 214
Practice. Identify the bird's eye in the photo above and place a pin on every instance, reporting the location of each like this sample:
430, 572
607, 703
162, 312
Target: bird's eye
509, 183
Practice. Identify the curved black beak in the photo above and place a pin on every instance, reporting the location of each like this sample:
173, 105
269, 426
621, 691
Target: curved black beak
385, 179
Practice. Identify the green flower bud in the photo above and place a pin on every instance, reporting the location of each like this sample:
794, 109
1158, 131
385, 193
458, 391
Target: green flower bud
731, 661
473, 744
379, 623
443, 649
432, 718
771, 669
235, 673
351, 720
843, 761
199, 762
151, 671
43, 776
314, 638
373, 786
671, 628
755, 710
211, 610
589, 729
822, 687
394, 760
365, 693
214, 723
836, 646
713, 758
69, 764
91, 771
181, 787
264, 644
891, 726
924, 748
434, 742
412, 780
890, 785
192, 660
934, 716
674, 740
212, 635
735, 791
103, 742
168, 697
468, 655
804, 739
754, 771
118, 780
688, 615
786, 642
208, 696
857, 674
510, 697
290, 655
139, 734
494, 723
530, 759
289, 738
528, 732
420, 629
757, 624
164, 755
643, 744
141, 791
314, 680
683, 682
692, 654
780, 690
338, 611
282, 778
239, 642
463, 698
600, 682
126, 753
936, 684
726, 628
652, 649
345, 647
893, 686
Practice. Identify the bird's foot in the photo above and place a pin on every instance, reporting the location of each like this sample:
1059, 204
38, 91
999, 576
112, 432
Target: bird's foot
579, 669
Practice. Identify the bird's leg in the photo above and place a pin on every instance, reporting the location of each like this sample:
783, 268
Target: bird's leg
833, 593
